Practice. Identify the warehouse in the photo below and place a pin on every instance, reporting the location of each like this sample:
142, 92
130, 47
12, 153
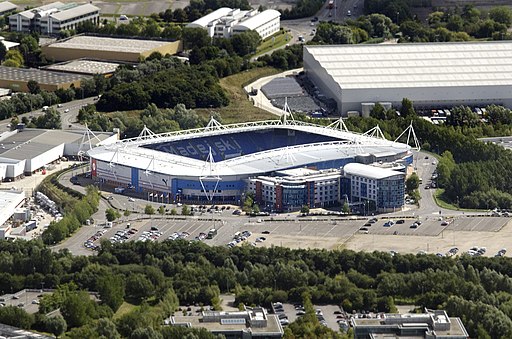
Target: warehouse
50, 19
432, 75
17, 79
22, 152
108, 49
83, 66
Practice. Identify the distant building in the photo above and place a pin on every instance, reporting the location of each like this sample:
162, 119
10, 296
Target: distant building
6, 7
53, 18
84, 66
433, 324
16, 79
108, 48
225, 22
8, 44
251, 323
384, 188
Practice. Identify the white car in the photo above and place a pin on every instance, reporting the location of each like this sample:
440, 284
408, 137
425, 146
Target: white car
131, 199
66, 110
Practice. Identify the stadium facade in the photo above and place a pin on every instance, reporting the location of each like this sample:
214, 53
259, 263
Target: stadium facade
432, 75
215, 164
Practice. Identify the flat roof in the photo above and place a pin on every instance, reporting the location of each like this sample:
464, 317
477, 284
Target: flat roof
7, 331
74, 12
446, 64
41, 76
259, 19
89, 67
109, 44
32, 142
370, 171
29, 13
273, 325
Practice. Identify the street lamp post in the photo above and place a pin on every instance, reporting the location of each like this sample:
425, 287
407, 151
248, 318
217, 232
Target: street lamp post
397, 14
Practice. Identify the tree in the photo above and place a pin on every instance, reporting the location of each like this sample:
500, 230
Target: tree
138, 287
3, 51
13, 57
149, 209
346, 208
501, 14
161, 210
33, 87
412, 183
77, 309
112, 214
195, 38
111, 290
304, 210
145, 333
245, 43
407, 108
185, 210
55, 325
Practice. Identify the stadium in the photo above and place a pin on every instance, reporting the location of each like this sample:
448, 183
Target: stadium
214, 163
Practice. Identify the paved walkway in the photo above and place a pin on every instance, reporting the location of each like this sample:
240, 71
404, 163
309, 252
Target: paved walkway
260, 100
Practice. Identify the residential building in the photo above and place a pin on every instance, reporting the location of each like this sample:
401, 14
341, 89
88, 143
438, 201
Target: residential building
53, 18
433, 324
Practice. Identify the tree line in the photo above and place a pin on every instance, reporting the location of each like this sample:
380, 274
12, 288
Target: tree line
160, 276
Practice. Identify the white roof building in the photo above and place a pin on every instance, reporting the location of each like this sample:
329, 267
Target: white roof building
429, 74
225, 22
370, 172
52, 18
6, 7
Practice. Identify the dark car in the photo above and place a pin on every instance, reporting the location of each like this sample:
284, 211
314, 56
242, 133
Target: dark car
265, 232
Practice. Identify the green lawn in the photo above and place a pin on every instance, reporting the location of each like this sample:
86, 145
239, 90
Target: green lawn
277, 40
125, 308
438, 197
240, 109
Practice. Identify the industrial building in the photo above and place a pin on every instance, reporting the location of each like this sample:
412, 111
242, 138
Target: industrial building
10, 200
253, 322
7, 7
225, 22
84, 66
24, 151
16, 79
433, 324
53, 18
432, 75
108, 49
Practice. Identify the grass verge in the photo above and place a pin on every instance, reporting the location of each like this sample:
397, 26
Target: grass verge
438, 197
125, 308
277, 40
240, 109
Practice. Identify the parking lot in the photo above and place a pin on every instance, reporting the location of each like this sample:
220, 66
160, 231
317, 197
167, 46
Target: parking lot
328, 315
26, 299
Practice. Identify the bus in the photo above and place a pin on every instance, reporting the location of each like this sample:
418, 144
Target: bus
331, 4
211, 234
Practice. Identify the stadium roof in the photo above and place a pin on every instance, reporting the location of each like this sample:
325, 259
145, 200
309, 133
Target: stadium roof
90, 67
215, 15
109, 44
75, 12
259, 19
368, 171
7, 6
130, 153
444, 64
41, 76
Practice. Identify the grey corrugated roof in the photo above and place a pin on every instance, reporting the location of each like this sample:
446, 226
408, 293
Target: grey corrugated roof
41, 76
109, 44
416, 65
29, 13
85, 67
74, 12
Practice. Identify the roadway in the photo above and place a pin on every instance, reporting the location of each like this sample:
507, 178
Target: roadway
68, 119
